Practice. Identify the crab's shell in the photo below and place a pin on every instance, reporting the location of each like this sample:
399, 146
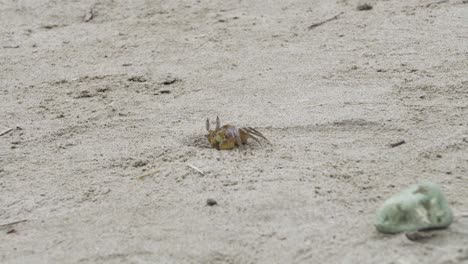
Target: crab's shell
225, 138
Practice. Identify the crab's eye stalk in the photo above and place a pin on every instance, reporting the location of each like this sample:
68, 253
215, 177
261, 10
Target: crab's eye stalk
218, 123
208, 125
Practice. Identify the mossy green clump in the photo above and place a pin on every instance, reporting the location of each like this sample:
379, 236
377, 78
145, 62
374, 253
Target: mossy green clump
420, 207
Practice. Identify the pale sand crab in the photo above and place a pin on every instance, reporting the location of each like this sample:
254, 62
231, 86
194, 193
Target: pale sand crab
228, 137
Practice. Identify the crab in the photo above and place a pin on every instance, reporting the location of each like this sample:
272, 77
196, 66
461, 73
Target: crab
228, 137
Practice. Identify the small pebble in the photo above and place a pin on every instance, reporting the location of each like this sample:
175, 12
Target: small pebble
137, 79
364, 7
140, 163
169, 81
211, 202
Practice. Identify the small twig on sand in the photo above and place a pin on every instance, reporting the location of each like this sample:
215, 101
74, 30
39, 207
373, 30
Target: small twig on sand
142, 177
14, 223
195, 168
437, 3
324, 21
6, 132
393, 145
51, 26
11, 46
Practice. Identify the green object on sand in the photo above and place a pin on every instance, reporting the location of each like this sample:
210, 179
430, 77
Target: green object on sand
420, 207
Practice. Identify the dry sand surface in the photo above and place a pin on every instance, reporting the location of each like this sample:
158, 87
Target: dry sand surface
107, 101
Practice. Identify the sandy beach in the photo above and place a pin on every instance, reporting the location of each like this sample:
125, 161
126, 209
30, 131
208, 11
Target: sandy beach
103, 155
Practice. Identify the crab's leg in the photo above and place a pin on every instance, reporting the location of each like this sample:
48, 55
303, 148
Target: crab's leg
207, 124
245, 134
253, 131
